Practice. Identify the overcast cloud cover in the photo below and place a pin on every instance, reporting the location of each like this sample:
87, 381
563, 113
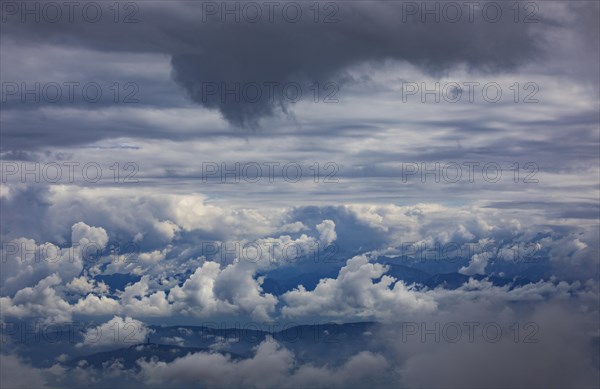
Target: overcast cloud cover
372, 175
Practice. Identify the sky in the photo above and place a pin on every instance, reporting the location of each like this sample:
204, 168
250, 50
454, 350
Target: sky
412, 165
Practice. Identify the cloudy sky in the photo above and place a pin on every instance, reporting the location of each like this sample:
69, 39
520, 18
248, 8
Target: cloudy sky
178, 163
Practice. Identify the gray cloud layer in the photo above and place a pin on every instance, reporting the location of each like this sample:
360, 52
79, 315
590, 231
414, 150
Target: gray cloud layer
281, 52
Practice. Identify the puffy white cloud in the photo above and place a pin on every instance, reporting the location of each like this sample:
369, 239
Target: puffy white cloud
293, 227
85, 235
232, 290
361, 290
40, 300
93, 305
176, 340
265, 253
167, 228
85, 285
151, 220
193, 212
116, 332
197, 293
24, 262
144, 262
271, 366
138, 299
238, 286
327, 231
476, 266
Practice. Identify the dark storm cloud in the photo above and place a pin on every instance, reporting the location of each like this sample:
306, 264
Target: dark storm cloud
317, 53
209, 56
